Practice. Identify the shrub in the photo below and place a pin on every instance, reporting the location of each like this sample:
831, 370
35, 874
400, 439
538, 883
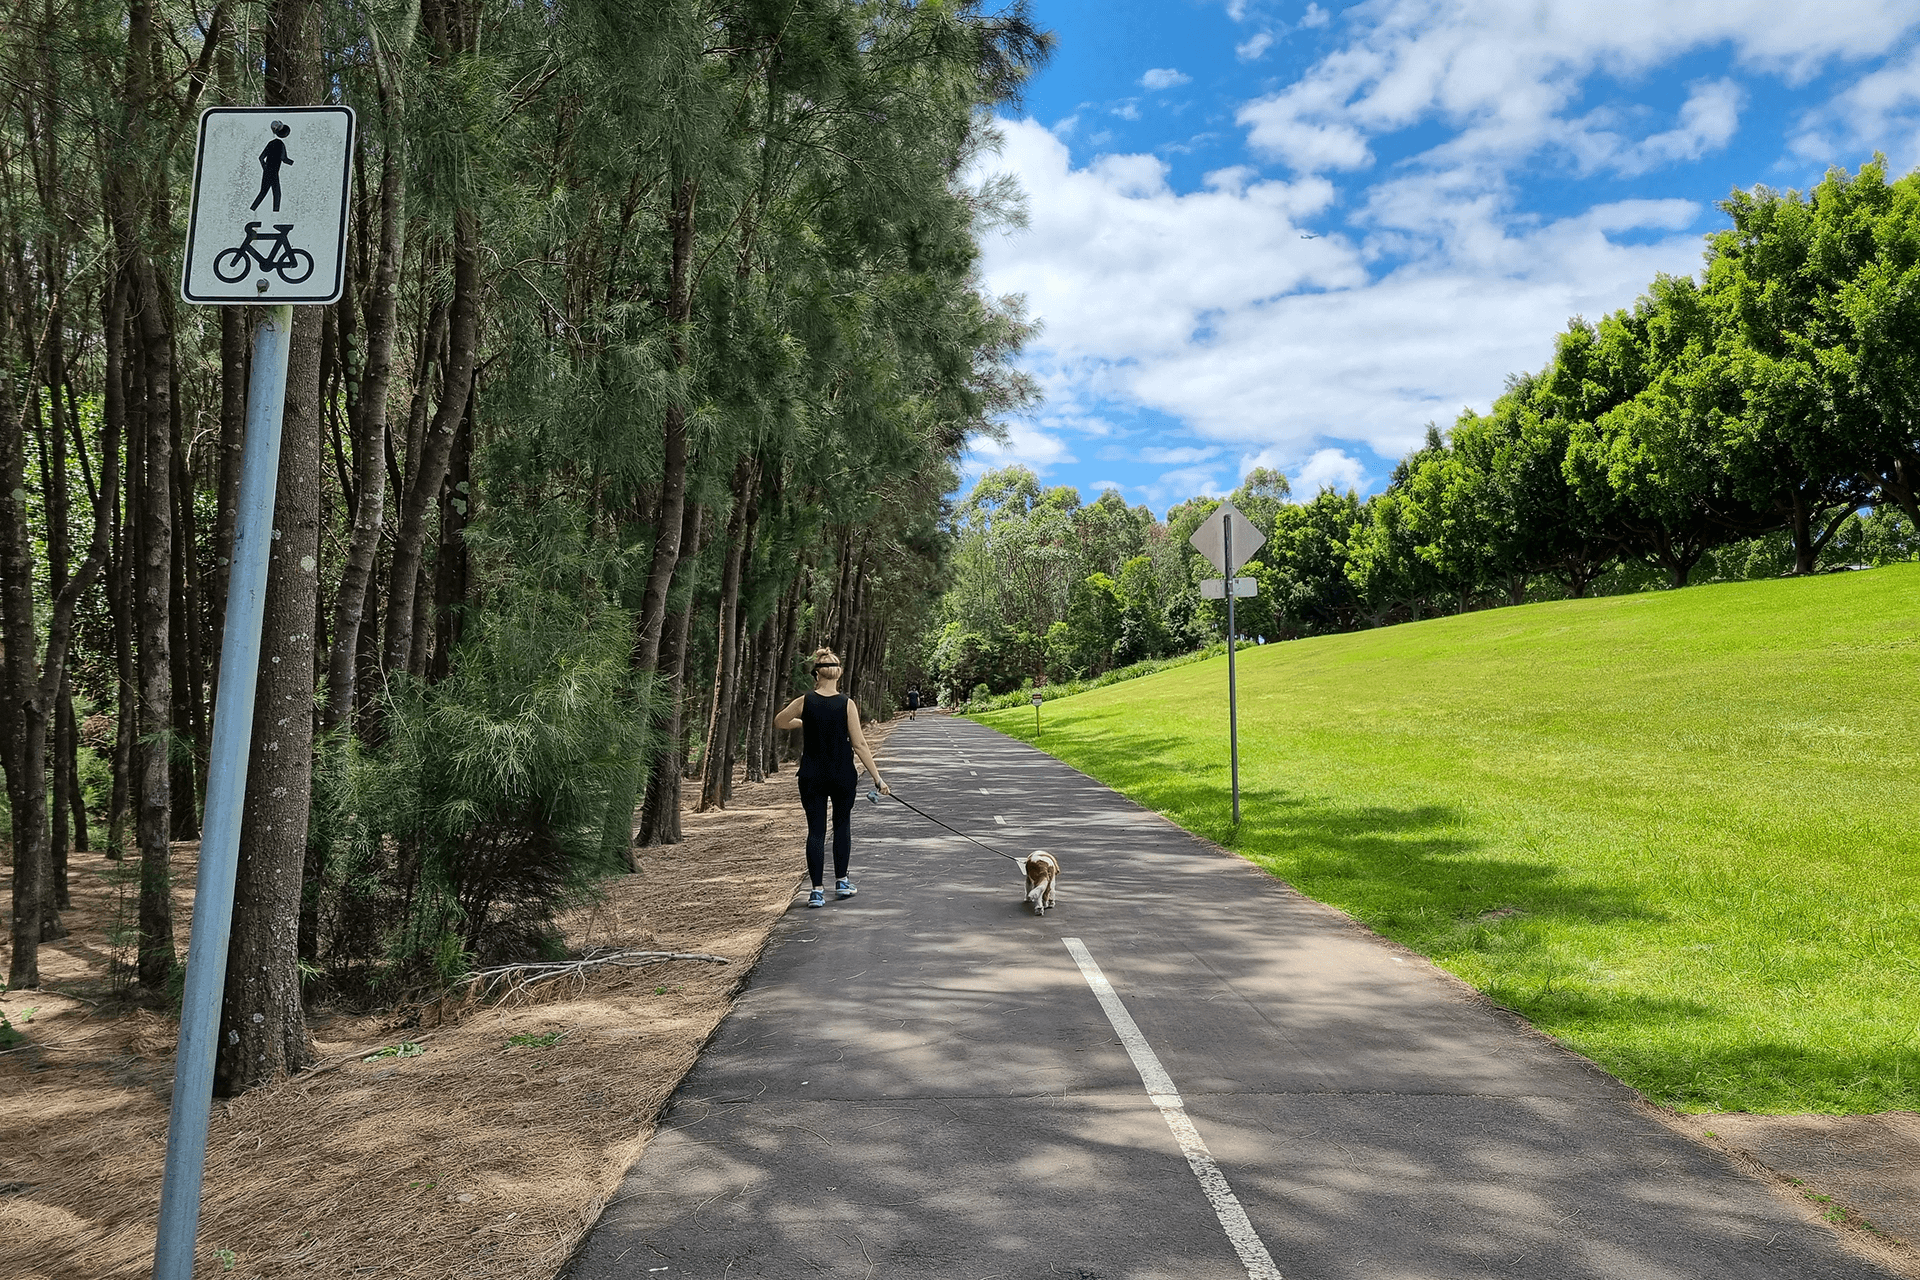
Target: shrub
482, 814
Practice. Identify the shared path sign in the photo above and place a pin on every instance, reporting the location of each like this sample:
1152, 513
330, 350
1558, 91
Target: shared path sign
269, 220
268, 227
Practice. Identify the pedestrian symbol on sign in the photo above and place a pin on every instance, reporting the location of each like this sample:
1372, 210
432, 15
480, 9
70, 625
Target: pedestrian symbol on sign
271, 159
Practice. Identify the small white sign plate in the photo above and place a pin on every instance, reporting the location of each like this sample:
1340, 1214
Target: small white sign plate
1216, 588
270, 204
1210, 538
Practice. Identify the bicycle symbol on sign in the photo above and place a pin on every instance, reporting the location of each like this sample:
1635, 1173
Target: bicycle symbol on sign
292, 265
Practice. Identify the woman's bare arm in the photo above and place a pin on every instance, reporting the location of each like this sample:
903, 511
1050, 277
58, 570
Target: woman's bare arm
788, 717
860, 746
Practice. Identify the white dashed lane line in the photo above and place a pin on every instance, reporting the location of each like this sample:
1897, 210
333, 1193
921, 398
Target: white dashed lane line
1160, 1091
997, 818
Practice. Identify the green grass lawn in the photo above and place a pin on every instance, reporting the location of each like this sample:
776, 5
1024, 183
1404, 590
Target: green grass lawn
1679, 831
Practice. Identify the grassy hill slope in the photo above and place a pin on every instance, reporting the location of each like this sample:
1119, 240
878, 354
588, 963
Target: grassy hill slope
1679, 831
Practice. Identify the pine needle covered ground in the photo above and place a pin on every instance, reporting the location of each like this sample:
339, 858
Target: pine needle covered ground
1679, 831
482, 1142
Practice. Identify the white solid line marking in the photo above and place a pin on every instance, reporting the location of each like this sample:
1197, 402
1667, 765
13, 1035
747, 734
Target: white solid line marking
1160, 1091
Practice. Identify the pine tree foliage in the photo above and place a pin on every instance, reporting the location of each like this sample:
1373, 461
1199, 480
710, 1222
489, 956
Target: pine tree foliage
662, 339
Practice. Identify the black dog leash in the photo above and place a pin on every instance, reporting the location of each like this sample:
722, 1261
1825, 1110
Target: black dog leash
875, 797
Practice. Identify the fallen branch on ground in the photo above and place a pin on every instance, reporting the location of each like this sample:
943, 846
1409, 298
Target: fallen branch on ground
511, 979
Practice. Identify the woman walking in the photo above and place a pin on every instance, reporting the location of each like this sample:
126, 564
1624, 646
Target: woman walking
830, 724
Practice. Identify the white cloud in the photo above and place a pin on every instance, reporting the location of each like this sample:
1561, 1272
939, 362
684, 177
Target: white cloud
1315, 16
1880, 111
1327, 469
1178, 455
1164, 78
1064, 127
1211, 308
1026, 444
1254, 47
1189, 482
1127, 110
1504, 71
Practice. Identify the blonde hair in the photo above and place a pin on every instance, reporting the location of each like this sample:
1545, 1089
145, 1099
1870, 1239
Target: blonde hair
824, 654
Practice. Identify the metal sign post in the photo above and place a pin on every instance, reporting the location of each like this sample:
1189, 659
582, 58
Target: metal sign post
1037, 700
1233, 696
301, 263
1216, 539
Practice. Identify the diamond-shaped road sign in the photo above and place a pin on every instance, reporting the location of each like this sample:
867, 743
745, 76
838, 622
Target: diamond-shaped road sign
269, 220
1210, 538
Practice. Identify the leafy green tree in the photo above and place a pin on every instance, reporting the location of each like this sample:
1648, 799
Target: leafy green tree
1308, 553
1645, 455
1384, 561
1143, 624
1093, 623
1814, 289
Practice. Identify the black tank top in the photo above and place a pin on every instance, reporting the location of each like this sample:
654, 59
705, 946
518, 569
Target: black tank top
826, 746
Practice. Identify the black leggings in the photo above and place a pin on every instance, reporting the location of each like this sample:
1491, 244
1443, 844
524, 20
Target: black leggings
814, 793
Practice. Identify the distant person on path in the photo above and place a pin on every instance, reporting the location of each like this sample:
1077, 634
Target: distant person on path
271, 159
913, 703
830, 725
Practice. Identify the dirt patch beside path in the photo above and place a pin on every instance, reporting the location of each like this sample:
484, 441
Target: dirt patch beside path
1860, 1173
474, 1158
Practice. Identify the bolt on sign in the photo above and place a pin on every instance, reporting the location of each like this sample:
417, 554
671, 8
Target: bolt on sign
269, 219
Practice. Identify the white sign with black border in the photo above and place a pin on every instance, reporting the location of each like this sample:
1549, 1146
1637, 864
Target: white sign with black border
270, 205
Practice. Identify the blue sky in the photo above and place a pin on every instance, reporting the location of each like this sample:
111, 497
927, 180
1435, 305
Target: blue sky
1290, 234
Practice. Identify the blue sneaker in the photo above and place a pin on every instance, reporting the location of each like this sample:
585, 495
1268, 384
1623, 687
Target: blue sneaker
844, 888
818, 898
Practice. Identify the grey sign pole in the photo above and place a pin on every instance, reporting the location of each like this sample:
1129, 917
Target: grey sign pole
226, 792
1233, 697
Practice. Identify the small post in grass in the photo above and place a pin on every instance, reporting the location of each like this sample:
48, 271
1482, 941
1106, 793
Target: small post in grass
1037, 700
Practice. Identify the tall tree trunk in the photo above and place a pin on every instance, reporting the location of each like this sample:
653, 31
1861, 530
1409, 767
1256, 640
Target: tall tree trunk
423, 486
153, 784
183, 749
669, 518
660, 811
782, 740
1805, 554
369, 438
53, 454
765, 643
26, 786
30, 690
450, 559
726, 641
263, 1032
120, 572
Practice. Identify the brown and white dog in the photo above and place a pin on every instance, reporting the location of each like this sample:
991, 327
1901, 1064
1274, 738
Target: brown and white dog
1042, 870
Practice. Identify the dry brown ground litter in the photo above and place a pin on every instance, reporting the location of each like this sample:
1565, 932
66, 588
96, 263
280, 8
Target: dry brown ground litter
473, 1159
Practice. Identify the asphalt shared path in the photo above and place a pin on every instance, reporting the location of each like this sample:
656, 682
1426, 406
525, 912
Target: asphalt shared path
1184, 1072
